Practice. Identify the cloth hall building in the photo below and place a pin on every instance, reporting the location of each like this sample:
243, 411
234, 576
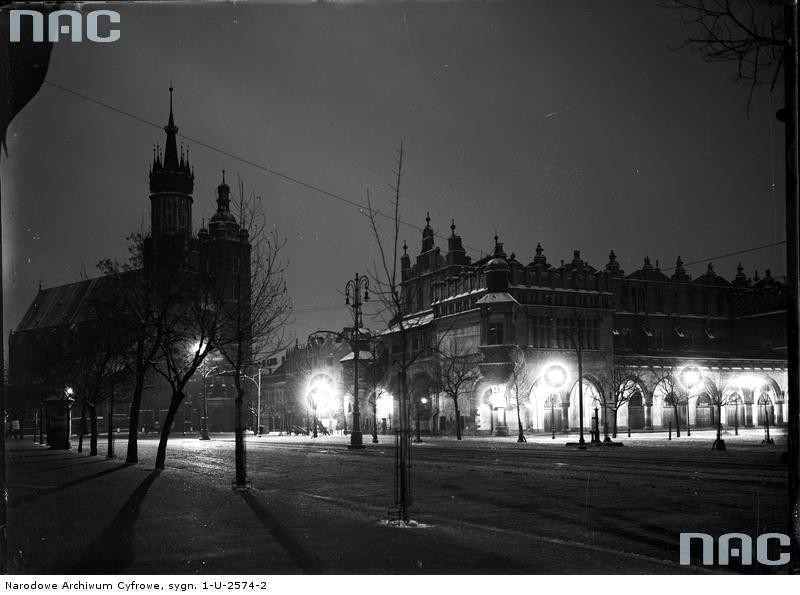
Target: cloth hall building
699, 348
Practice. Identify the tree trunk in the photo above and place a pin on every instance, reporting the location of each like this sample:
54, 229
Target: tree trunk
521, 437
614, 431
375, 418
718, 442
81, 428
41, 423
161, 455
133, 427
93, 430
677, 420
404, 456
241, 471
458, 422
110, 451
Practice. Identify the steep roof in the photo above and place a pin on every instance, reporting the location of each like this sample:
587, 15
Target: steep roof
57, 306
64, 305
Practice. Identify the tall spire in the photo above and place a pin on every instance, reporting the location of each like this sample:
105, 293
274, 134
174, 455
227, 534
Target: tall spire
171, 149
171, 172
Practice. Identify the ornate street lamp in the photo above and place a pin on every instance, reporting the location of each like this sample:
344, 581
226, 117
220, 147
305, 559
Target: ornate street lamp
354, 288
204, 372
257, 382
555, 377
577, 342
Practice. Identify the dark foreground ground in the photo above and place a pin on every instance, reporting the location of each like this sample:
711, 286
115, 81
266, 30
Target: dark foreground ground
484, 506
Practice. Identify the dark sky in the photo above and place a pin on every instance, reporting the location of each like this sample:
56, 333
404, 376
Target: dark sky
566, 123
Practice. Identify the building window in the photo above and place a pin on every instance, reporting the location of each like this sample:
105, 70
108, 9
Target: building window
626, 337
659, 340
494, 335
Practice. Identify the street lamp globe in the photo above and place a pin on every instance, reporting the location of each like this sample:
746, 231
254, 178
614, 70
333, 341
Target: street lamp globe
555, 376
690, 377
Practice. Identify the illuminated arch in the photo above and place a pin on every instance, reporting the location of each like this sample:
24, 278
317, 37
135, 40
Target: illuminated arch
591, 400
624, 414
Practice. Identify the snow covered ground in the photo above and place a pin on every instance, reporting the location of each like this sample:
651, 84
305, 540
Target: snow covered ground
484, 505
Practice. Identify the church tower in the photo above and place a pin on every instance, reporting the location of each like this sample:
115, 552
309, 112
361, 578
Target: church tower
171, 186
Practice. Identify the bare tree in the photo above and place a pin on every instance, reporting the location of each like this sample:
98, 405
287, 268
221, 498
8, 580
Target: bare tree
386, 279
376, 370
519, 383
459, 371
675, 394
617, 386
189, 332
96, 348
719, 399
145, 298
748, 33
301, 362
253, 307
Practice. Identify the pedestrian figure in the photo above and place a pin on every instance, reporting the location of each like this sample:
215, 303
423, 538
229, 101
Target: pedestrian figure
15, 430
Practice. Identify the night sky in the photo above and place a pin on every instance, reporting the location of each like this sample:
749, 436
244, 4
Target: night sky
566, 123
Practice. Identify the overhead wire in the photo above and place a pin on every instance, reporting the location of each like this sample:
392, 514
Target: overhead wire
363, 209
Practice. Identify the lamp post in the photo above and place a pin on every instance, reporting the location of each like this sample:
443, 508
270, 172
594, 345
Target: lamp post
767, 439
420, 403
354, 287
257, 382
374, 394
689, 377
204, 372
578, 343
555, 377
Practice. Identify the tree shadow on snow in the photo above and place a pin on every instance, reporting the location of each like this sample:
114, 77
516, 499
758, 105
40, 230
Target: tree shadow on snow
113, 550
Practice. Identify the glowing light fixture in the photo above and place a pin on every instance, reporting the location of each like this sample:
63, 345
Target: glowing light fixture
555, 376
690, 377
320, 392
